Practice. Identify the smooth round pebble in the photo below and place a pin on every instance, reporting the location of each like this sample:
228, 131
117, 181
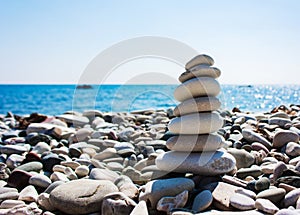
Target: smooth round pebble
82, 171
274, 195
242, 202
40, 180
202, 201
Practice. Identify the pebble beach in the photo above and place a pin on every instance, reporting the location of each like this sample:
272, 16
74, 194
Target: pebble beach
104, 163
196, 158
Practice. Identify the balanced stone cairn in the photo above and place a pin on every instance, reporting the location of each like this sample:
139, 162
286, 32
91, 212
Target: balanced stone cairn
196, 147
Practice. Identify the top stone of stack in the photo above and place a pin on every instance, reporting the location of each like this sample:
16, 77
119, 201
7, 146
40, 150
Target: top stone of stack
198, 60
200, 66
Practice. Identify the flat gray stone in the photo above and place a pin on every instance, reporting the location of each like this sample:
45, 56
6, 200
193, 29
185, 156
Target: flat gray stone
242, 202
205, 163
195, 143
197, 87
13, 149
274, 195
196, 123
200, 71
195, 105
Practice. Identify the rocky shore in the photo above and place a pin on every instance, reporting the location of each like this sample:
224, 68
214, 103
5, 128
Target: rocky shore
104, 163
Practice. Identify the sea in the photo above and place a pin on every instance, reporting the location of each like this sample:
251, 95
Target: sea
57, 99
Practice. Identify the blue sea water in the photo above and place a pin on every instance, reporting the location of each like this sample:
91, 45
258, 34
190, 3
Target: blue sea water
56, 99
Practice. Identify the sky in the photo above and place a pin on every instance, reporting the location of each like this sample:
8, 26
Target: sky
53, 41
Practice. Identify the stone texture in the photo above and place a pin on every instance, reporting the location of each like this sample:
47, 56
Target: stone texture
195, 143
81, 196
206, 163
199, 104
197, 87
196, 123
241, 202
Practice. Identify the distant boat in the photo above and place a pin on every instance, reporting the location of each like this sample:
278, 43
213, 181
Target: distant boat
242, 86
85, 86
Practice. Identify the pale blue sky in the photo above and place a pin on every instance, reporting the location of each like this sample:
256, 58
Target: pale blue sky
252, 41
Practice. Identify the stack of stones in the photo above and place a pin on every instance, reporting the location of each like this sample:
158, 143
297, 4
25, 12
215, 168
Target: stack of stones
196, 147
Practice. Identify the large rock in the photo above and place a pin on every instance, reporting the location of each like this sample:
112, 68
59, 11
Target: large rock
283, 137
196, 87
154, 190
81, 196
194, 105
198, 60
196, 123
195, 143
205, 163
200, 71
